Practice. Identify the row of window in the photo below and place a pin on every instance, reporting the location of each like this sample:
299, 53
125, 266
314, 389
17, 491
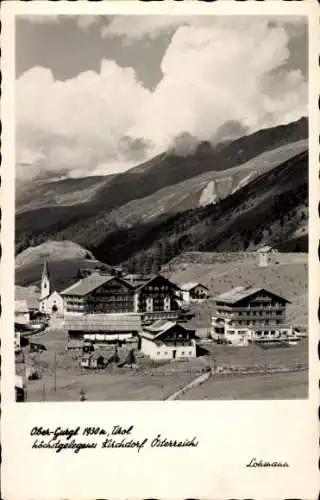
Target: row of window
182, 353
259, 333
151, 288
253, 322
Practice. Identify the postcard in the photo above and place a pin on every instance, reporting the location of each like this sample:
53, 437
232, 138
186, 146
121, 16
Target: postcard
159, 271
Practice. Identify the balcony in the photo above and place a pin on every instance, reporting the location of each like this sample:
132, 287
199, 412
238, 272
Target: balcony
229, 309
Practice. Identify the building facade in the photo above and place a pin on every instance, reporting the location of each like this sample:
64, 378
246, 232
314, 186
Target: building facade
265, 255
245, 315
156, 298
98, 294
168, 340
53, 304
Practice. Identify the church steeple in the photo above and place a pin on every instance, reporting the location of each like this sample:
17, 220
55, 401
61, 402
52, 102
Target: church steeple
45, 280
45, 271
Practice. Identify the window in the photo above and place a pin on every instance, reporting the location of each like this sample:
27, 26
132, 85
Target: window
158, 353
182, 352
190, 352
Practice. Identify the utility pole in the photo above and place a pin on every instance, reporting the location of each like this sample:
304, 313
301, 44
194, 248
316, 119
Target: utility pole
55, 372
44, 392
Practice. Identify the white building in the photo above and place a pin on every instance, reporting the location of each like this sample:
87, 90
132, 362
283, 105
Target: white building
50, 301
21, 312
51, 304
193, 292
168, 340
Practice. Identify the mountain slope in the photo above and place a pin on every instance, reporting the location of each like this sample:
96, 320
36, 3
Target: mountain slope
65, 192
163, 177
271, 209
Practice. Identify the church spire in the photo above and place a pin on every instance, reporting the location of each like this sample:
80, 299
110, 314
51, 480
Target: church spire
45, 281
45, 271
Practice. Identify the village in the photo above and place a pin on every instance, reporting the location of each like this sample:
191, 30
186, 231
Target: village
112, 329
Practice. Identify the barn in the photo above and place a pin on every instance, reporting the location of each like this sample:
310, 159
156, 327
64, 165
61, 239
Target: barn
102, 328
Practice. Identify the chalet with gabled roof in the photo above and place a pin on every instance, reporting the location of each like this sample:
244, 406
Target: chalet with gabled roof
249, 314
156, 298
99, 293
153, 297
167, 340
193, 292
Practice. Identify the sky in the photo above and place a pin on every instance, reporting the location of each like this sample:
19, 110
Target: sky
97, 95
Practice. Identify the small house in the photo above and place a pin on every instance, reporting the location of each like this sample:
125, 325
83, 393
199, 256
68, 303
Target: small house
85, 361
93, 360
168, 340
21, 312
193, 292
265, 254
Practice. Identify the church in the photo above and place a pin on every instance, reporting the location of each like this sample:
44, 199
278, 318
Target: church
50, 302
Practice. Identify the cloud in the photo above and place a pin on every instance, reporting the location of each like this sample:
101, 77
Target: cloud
222, 73
40, 19
221, 78
84, 22
139, 27
76, 124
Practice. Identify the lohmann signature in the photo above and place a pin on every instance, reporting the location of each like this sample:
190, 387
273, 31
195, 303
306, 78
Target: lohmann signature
254, 462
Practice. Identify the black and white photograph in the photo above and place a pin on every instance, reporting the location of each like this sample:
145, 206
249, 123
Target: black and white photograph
161, 208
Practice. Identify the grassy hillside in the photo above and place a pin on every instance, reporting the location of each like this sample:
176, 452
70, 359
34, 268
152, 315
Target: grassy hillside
287, 276
64, 261
108, 205
53, 250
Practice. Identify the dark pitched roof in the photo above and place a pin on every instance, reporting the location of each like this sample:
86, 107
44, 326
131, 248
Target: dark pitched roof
146, 280
87, 285
240, 292
190, 285
158, 328
92, 282
122, 322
